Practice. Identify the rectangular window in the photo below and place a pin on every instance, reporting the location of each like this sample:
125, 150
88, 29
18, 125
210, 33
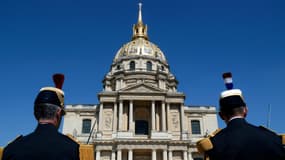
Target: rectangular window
148, 66
132, 65
195, 126
86, 126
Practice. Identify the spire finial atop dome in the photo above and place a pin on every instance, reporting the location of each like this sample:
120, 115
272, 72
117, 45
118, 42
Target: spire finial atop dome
140, 14
139, 29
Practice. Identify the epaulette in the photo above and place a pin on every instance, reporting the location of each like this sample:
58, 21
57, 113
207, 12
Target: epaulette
16, 139
282, 136
72, 138
86, 151
1, 152
205, 144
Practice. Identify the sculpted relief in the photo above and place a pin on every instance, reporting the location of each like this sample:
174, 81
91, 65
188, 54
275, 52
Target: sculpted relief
175, 121
108, 120
174, 118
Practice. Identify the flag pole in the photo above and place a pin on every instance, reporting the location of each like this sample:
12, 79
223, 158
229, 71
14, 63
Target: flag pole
269, 116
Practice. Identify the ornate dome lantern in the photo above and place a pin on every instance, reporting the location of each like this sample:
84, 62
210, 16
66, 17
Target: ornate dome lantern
140, 45
139, 61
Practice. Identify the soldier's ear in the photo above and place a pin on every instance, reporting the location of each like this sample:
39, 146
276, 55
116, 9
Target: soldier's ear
245, 110
58, 113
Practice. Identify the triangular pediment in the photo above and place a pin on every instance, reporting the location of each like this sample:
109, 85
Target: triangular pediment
142, 88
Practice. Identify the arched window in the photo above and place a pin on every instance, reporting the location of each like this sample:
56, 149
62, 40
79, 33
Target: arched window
132, 65
118, 67
195, 126
86, 126
148, 66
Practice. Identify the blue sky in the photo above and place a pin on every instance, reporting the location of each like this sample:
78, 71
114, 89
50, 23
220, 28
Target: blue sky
200, 39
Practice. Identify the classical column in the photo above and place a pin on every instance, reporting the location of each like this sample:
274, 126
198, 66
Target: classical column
130, 155
98, 155
119, 155
184, 155
169, 155
164, 155
153, 155
113, 155
101, 117
153, 115
121, 83
190, 156
115, 117
182, 117
163, 117
168, 116
131, 116
120, 115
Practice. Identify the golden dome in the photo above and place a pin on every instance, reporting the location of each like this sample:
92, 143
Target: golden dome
140, 45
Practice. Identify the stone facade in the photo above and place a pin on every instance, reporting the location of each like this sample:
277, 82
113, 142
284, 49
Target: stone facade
141, 115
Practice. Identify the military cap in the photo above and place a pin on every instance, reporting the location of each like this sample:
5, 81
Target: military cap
52, 95
230, 98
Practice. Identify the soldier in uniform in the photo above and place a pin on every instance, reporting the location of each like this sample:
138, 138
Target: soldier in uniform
240, 140
45, 143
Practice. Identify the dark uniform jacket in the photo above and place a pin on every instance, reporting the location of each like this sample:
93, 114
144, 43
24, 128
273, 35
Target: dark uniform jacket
45, 143
243, 141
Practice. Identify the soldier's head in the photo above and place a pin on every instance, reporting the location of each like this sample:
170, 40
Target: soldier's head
49, 103
231, 101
